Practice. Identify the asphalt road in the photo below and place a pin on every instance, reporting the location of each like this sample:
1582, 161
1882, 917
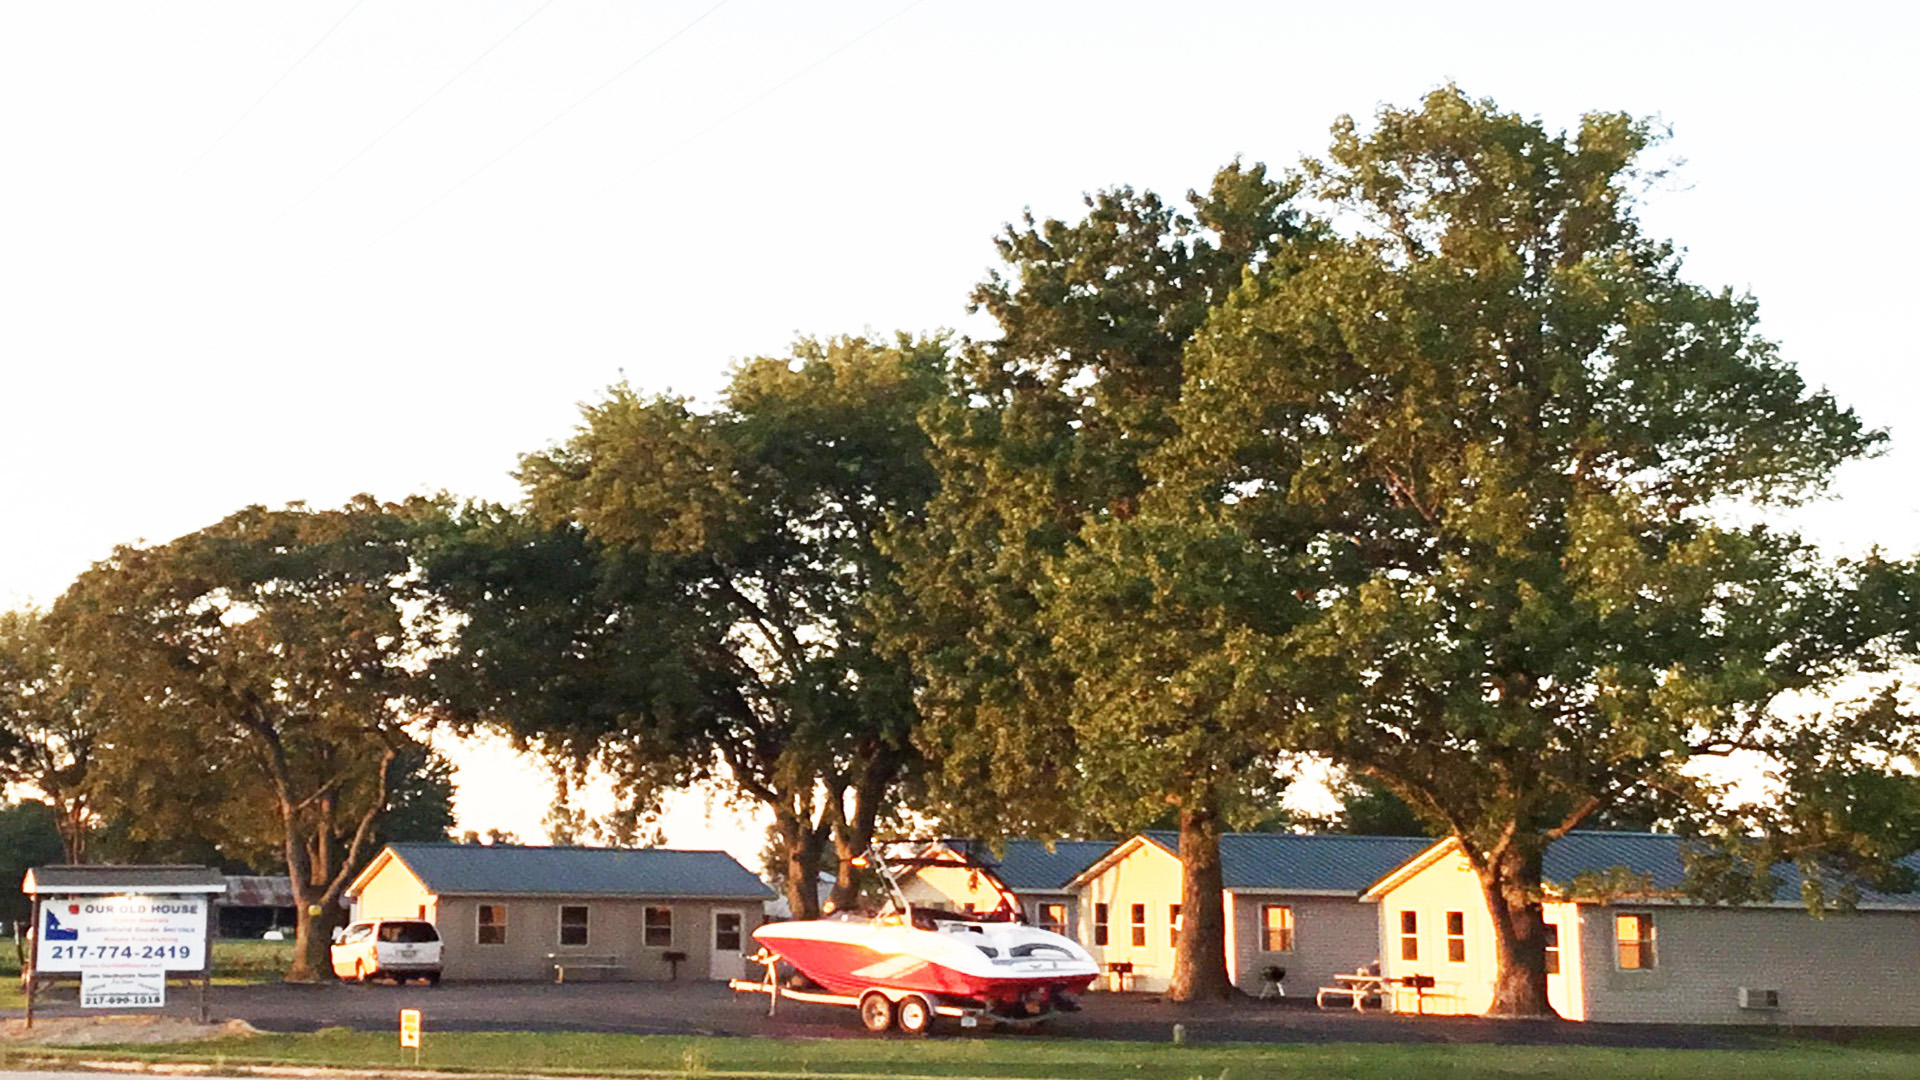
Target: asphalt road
711, 1009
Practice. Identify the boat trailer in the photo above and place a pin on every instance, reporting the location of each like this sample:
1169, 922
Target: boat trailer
883, 1007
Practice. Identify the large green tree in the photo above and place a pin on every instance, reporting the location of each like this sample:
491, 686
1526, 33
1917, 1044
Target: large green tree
1039, 722
688, 596
1494, 436
259, 677
48, 727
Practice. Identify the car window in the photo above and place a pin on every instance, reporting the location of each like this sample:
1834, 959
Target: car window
356, 932
412, 933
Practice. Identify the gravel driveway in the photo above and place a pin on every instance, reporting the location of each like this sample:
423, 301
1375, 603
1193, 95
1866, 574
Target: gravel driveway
710, 1008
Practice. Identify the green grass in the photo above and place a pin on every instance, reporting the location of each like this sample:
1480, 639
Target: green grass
1012, 1057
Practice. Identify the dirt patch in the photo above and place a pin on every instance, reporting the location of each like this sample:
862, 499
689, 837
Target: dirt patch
104, 1030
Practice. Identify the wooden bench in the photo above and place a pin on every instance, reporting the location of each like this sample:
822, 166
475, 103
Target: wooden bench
564, 962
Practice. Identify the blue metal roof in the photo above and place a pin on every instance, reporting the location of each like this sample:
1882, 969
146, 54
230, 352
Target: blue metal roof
1660, 857
1305, 862
512, 870
1027, 865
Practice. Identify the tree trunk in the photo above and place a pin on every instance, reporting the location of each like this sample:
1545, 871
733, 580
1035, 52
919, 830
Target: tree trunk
802, 846
312, 940
1510, 881
852, 836
1200, 949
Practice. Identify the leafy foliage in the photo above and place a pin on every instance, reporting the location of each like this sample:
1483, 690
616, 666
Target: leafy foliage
258, 677
687, 596
1488, 430
1041, 718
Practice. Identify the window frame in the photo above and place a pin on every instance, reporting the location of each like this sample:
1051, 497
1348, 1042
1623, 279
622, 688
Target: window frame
1455, 924
1550, 947
1053, 918
1173, 926
1268, 929
498, 925
1137, 925
1410, 935
585, 926
650, 928
1644, 945
1102, 932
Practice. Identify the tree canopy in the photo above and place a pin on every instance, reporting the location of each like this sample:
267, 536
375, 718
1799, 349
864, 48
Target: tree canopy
1493, 434
1038, 719
258, 678
687, 595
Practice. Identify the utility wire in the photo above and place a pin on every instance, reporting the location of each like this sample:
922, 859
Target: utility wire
237, 121
709, 129
424, 102
524, 139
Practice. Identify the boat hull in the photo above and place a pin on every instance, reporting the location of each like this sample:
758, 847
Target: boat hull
853, 967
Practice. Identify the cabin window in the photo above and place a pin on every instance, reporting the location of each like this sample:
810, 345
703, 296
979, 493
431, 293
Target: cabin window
1276, 928
1099, 924
1053, 918
1173, 926
1409, 935
1139, 926
657, 926
573, 924
1456, 937
491, 925
1552, 941
1633, 941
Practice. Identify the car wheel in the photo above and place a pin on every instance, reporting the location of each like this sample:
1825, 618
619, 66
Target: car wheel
916, 1015
433, 979
876, 1012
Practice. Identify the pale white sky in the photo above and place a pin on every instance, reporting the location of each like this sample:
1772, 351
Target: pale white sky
265, 252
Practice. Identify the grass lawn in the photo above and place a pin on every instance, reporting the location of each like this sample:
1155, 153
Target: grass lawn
1016, 1058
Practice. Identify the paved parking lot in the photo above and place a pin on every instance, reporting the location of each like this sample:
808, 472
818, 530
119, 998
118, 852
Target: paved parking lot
711, 1009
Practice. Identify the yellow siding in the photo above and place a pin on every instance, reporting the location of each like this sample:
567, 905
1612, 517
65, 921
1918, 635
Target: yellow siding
1465, 987
393, 892
954, 888
1147, 875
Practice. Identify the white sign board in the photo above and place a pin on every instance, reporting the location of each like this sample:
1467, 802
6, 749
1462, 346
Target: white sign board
123, 989
134, 934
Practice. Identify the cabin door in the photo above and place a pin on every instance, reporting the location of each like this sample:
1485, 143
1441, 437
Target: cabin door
729, 944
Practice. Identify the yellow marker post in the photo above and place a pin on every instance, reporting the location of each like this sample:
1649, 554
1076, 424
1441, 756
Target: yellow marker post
410, 1032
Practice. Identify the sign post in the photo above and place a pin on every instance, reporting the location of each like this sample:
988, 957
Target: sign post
410, 1032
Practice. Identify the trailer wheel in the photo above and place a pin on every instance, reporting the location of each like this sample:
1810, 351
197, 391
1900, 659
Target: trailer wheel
916, 1015
876, 1012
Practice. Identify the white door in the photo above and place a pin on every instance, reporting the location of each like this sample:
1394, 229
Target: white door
729, 944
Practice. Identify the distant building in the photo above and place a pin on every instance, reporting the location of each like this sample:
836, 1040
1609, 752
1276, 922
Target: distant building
1028, 876
256, 904
1660, 958
1292, 902
513, 912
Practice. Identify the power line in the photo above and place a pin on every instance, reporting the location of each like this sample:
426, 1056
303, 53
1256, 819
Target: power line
424, 102
237, 121
523, 140
705, 131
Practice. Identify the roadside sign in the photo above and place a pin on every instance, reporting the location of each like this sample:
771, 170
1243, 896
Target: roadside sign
123, 989
121, 933
410, 1028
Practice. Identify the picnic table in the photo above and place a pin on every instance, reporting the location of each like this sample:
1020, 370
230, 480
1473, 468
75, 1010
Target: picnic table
1358, 986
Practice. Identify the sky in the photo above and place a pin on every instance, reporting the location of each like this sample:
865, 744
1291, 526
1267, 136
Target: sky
260, 253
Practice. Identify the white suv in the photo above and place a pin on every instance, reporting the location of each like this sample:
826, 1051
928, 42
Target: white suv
397, 949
